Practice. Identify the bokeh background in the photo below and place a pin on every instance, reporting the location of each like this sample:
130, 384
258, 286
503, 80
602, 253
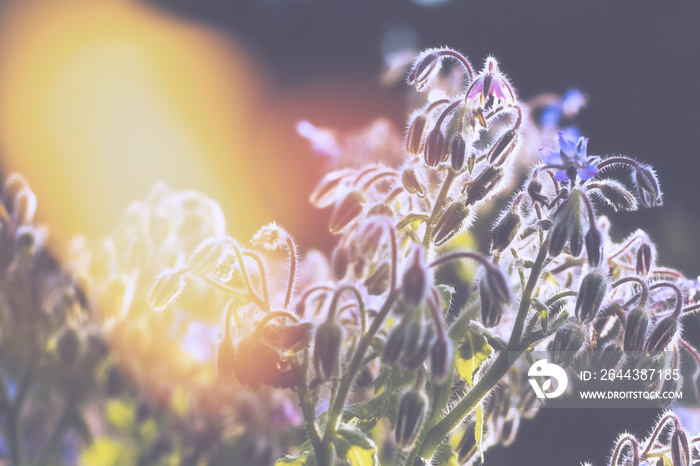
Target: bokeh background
99, 100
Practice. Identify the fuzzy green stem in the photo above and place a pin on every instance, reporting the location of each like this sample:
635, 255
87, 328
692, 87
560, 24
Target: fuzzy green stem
437, 207
292, 270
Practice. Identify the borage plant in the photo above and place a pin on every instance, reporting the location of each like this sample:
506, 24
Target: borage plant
383, 343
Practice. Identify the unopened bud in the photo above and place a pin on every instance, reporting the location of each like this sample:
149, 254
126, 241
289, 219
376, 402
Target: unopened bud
483, 184
412, 182
292, 337
435, 149
594, 286
225, 357
503, 148
636, 330
458, 149
394, 345
413, 407
575, 242
451, 222
505, 231
491, 310
610, 358
369, 236
416, 131
347, 211
647, 186
467, 448
415, 353
68, 346
380, 209
662, 335
440, 359
424, 70
416, 278
644, 259
567, 342
616, 195
340, 259
167, 289
681, 454
558, 239
207, 257
378, 282
329, 339
594, 247
534, 190
327, 190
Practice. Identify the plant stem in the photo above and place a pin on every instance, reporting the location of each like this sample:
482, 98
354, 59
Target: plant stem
58, 430
437, 207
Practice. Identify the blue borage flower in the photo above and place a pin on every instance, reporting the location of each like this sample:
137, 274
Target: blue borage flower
571, 159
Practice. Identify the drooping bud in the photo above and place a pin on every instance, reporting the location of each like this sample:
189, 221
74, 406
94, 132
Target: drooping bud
594, 286
381, 209
567, 342
610, 358
327, 343
644, 259
167, 289
491, 310
635, 330
616, 195
225, 357
458, 149
394, 345
534, 190
347, 211
568, 225
340, 259
378, 282
467, 448
451, 222
416, 278
647, 186
412, 182
413, 407
425, 69
328, 189
416, 346
594, 247
558, 238
505, 231
483, 184
68, 345
207, 257
292, 337
662, 335
576, 242
370, 235
440, 358
435, 149
503, 148
681, 455
414, 137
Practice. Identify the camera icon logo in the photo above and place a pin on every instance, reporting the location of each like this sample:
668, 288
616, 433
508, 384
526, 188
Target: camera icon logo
543, 368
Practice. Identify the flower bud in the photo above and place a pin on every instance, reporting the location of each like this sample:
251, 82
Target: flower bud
458, 149
394, 345
328, 189
505, 231
576, 242
644, 259
380, 209
414, 354
425, 69
378, 282
440, 358
347, 211
534, 190
413, 407
610, 358
594, 286
558, 239
662, 335
467, 449
503, 148
567, 342
483, 184
635, 330
225, 356
207, 257
340, 259
412, 182
370, 235
68, 346
435, 149
498, 285
647, 186
491, 310
167, 289
452, 221
616, 195
329, 339
680, 449
291, 337
594, 247
416, 278
414, 137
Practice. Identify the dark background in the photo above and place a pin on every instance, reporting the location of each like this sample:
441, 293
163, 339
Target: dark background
637, 61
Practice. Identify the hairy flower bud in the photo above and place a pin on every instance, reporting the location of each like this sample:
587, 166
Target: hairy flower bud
167, 289
534, 190
567, 342
558, 238
451, 222
610, 358
594, 247
414, 137
340, 259
416, 346
458, 149
378, 282
412, 182
440, 358
416, 278
394, 345
435, 149
413, 407
292, 337
347, 211
681, 454
616, 195
491, 310
483, 184
207, 257
329, 339
662, 335
425, 69
225, 357
594, 286
647, 186
505, 231
635, 330
644, 259
370, 235
503, 148
467, 448
328, 189
576, 242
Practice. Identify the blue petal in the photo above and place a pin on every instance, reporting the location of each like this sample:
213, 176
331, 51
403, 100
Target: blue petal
551, 157
588, 172
561, 175
567, 147
582, 147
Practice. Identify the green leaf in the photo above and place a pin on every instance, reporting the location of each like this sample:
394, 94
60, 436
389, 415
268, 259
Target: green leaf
120, 414
472, 350
369, 409
479, 429
293, 460
354, 446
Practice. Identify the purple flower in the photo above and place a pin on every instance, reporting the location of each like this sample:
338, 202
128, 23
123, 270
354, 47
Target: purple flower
571, 159
490, 82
